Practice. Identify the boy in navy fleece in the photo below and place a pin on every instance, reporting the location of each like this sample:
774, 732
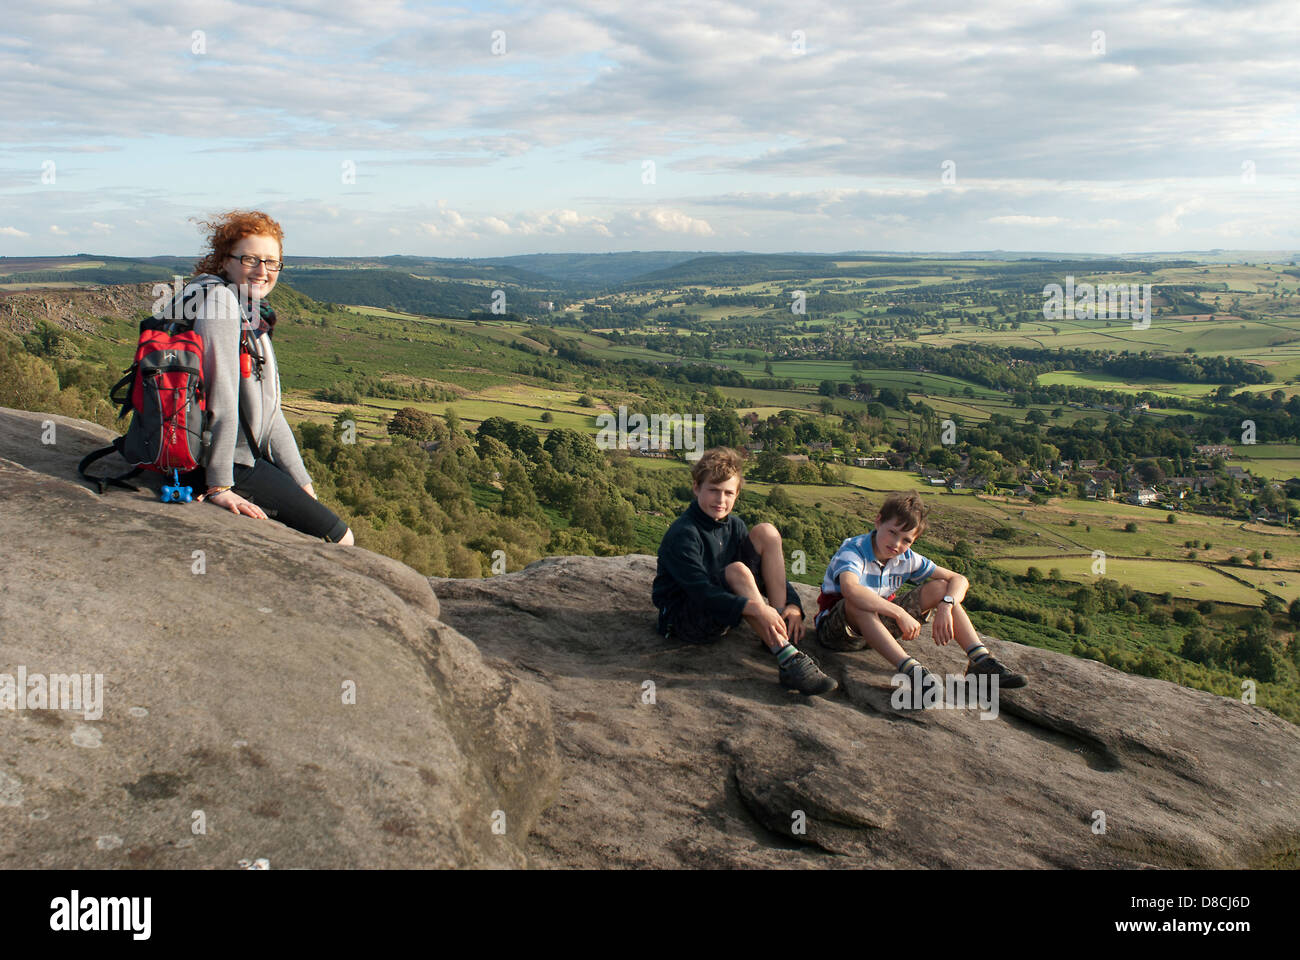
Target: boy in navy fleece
713, 571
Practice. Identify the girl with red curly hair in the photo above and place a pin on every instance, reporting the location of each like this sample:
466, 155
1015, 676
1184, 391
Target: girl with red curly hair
253, 466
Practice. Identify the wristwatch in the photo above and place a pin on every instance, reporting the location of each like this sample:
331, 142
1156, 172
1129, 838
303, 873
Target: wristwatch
949, 600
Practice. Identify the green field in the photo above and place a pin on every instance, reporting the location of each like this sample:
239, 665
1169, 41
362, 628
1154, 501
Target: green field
1188, 580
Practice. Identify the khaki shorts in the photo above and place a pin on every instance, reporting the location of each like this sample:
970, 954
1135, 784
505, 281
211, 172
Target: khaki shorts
834, 632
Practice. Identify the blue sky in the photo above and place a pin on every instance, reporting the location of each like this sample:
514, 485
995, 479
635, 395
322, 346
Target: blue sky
1065, 126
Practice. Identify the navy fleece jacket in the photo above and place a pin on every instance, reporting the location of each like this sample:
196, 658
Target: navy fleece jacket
693, 555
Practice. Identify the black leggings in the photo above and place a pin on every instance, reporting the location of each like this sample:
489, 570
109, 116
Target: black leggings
280, 498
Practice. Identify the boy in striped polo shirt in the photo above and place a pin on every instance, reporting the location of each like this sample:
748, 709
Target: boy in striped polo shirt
857, 605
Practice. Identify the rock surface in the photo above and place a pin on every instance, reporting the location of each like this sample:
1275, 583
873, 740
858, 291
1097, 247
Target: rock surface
711, 773
74, 309
531, 693
224, 691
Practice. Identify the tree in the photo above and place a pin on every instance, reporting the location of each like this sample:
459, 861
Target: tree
517, 436
453, 421
1255, 655
517, 496
411, 422
722, 429
778, 498
573, 452
1149, 472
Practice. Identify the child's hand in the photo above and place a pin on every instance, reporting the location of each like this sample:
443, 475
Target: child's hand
907, 625
793, 618
769, 626
942, 628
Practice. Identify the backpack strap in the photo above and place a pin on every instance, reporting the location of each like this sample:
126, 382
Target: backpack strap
123, 386
252, 441
204, 281
102, 482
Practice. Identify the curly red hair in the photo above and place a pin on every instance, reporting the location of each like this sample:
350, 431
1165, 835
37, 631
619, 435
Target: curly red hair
227, 229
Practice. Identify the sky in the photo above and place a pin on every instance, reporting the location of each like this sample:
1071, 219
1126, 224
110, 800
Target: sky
492, 129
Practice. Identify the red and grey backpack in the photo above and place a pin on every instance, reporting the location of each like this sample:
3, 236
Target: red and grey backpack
164, 389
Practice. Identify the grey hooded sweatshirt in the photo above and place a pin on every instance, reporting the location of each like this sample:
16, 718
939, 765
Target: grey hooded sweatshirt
219, 322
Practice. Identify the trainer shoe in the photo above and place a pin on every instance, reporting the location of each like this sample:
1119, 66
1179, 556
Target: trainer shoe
1006, 679
801, 673
914, 697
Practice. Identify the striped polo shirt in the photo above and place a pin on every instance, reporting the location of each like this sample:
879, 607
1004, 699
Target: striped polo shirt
858, 554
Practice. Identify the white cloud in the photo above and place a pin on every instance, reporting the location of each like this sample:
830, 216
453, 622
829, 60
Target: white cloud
12, 232
1020, 220
1170, 222
837, 147
673, 221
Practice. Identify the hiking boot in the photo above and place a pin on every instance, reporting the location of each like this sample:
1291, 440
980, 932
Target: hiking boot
1006, 679
913, 697
801, 673
835, 632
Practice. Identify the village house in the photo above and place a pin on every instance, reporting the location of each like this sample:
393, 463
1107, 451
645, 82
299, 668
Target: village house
1143, 496
1213, 450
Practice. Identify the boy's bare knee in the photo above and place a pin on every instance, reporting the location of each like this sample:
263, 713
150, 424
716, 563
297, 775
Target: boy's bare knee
347, 540
764, 534
737, 573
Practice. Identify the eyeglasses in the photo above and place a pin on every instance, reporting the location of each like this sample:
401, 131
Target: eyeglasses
249, 260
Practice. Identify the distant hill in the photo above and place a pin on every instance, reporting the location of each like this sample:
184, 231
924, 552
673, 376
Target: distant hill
596, 269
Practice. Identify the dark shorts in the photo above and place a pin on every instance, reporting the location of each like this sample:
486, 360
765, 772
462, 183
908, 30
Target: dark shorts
280, 498
835, 633
687, 621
